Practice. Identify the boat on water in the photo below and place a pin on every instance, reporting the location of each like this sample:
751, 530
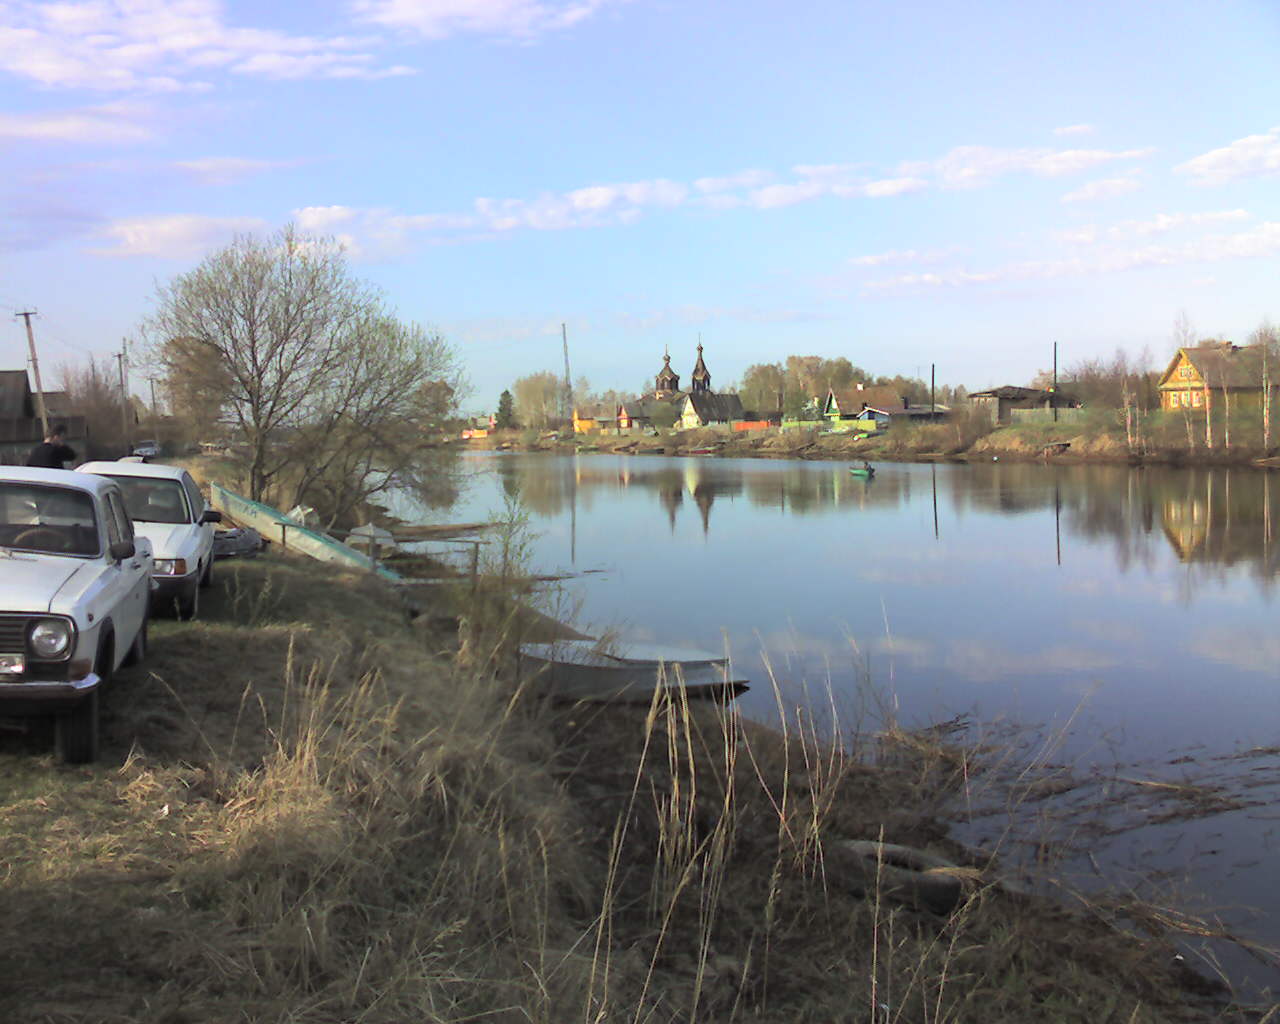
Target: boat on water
866, 472
588, 670
705, 449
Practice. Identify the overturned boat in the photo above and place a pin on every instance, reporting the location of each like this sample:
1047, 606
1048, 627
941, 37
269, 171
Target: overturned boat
590, 670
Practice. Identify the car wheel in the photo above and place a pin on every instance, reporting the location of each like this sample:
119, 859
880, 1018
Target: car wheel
206, 580
189, 604
138, 649
76, 731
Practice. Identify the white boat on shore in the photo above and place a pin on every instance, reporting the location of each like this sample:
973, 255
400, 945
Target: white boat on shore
586, 670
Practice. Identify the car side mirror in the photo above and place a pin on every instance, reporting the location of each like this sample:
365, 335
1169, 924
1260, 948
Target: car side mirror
122, 549
211, 516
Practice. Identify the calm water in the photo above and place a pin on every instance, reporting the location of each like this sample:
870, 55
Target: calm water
1141, 602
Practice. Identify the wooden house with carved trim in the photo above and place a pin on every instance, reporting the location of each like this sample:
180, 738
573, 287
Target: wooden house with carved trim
1201, 375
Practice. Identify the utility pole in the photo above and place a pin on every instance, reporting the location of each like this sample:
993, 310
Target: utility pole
121, 356
566, 398
35, 369
1053, 400
933, 405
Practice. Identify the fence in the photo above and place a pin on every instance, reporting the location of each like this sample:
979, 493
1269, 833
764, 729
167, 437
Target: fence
1046, 415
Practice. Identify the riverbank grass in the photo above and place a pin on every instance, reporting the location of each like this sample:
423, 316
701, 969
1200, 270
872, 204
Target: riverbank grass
313, 807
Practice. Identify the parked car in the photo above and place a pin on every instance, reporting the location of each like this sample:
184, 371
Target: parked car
167, 508
75, 588
147, 449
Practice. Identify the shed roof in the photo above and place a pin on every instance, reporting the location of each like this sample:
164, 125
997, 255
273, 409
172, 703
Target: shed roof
851, 400
596, 411
15, 394
716, 408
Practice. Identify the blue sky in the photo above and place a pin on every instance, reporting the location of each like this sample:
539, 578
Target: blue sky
901, 184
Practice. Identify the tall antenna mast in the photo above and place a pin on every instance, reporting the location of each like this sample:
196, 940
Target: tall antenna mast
566, 396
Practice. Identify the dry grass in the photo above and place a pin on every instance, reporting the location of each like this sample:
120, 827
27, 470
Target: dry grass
312, 809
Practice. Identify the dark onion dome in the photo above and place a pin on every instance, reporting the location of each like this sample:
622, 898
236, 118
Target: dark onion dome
701, 375
668, 379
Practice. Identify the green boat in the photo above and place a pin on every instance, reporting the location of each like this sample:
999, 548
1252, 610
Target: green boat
866, 472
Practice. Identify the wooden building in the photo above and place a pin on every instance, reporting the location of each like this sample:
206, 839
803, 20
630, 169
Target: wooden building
20, 426
1199, 375
1000, 402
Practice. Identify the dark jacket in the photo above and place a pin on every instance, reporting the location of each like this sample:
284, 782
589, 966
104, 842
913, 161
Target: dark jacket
47, 455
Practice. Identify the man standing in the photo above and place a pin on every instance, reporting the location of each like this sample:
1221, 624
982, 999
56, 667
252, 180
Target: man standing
53, 451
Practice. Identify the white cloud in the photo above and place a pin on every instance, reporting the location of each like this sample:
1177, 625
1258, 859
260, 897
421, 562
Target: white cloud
1074, 129
1162, 223
1260, 241
593, 206
1251, 157
1105, 188
162, 46
893, 187
771, 197
970, 166
901, 256
1086, 235
175, 236
743, 179
110, 122
518, 19
226, 170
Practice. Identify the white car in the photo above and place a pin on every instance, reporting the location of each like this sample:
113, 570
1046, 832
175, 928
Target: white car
167, 508
75, 589
147, 449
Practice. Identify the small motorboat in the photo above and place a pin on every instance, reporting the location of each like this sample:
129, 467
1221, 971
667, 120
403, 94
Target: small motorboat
589, 670
866, 472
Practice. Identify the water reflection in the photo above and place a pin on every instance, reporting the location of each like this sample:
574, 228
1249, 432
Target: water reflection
1213, 517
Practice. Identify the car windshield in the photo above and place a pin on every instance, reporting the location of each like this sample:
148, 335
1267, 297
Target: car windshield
151, 500
56, 520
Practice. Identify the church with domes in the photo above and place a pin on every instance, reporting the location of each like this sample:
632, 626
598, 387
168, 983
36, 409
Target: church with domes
698, 406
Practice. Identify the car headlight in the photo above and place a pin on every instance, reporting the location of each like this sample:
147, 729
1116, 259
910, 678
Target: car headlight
51, 638
171, 566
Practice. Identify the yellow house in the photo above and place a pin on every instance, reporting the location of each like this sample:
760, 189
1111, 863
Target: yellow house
590, 419
1200, 375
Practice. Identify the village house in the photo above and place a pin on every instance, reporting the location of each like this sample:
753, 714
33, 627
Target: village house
871, 407
595, 419
1199, 375
20, 426
1001, 402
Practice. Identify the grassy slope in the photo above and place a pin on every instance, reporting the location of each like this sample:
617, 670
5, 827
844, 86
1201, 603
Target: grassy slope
311, 809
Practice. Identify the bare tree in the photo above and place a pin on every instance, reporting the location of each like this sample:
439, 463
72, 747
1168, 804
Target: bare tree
315, 372
1267, 338
1184, 331
198, 394
93, 391
537, 399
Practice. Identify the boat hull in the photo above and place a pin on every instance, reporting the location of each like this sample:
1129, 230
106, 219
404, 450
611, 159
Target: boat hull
575, 670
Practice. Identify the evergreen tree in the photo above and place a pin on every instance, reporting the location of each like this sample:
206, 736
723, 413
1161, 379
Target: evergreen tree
505, 418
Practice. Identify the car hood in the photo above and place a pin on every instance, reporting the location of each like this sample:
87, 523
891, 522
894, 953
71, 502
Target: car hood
29, 583
169, 540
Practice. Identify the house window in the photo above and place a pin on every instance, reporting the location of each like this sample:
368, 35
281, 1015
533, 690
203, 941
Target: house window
1184, 372
1195, 399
